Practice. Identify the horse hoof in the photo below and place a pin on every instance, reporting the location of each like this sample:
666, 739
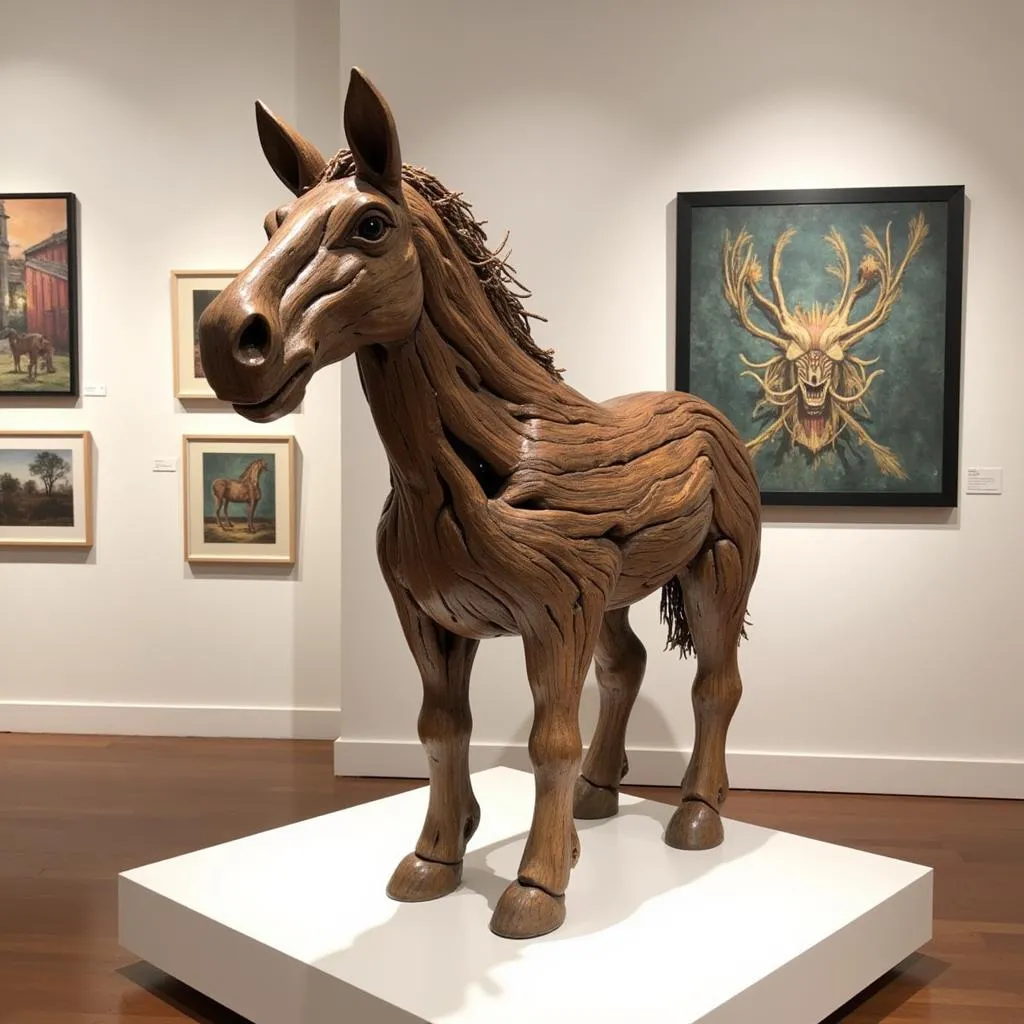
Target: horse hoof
416, 880
590, 801
524, 912
694, 826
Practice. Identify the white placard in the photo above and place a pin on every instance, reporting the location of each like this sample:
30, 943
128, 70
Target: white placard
985, 480
165, 465
95, 391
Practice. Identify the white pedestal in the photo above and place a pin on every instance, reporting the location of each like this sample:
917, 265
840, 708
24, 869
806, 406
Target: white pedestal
293, 926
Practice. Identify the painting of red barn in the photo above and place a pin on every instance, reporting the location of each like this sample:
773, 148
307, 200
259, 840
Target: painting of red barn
38, 294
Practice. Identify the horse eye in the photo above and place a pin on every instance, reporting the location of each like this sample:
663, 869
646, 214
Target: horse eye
373, 227
274, 220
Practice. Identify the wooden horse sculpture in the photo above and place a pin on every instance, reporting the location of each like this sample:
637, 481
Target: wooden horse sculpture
33, 346
245, 490
518, 506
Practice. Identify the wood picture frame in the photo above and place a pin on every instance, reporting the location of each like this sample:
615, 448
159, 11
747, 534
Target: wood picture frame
46, 493
39, 295
191, 292
239, 496
773, 291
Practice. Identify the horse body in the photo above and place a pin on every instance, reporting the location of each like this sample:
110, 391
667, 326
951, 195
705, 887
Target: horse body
245, 490
632, 484
518, 506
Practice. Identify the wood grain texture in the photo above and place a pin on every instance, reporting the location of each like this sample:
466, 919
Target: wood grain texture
517, 506
74, 811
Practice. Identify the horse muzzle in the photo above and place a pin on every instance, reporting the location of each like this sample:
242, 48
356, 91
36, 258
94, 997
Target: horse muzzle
282, 401
245, 356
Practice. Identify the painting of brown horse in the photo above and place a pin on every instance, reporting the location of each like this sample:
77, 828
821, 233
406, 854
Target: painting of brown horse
245, 490
518, 506
33, 346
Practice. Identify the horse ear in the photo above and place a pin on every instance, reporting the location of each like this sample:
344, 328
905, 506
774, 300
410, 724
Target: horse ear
372, 136
295, 160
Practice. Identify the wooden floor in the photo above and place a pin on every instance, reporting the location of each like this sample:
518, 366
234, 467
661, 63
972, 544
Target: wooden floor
76, 811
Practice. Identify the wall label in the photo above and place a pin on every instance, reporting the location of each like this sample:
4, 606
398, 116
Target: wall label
985, 480
165, 465
95, 390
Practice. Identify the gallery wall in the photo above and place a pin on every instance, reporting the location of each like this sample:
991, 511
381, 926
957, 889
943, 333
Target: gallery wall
886, 646
145, 112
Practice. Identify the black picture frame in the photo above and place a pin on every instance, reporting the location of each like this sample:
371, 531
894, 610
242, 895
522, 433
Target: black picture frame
693, 318
67, 331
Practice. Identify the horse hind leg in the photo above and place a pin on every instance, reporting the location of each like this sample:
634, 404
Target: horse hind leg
714, 592
619, 661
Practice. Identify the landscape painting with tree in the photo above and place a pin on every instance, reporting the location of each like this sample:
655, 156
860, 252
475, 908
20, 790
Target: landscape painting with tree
827, 327
36, 488
44, 488
38, 294
239, 499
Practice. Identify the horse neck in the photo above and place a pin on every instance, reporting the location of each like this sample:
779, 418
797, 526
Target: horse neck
437, 402
459, 389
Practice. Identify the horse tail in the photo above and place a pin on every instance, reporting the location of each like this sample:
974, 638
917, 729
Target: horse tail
736, 517
673, 615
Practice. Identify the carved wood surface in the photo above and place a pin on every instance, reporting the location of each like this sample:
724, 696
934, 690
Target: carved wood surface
518, 506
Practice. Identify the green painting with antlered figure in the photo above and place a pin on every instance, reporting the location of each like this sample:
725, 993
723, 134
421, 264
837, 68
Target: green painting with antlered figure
36, 487
239, 500
820, 331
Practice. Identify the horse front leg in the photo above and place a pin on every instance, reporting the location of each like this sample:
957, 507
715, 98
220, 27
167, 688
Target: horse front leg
251, 522
445, 723
559, 643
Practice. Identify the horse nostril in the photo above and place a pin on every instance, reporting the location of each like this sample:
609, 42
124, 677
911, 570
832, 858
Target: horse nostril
254, 340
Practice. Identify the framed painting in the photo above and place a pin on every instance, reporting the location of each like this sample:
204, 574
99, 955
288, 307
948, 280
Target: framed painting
38, 294
191, 292
826, 325
46, 489
239, 499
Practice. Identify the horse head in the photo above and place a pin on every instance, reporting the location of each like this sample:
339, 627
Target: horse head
339, 271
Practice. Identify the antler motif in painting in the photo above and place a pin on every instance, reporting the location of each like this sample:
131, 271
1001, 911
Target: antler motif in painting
814, 384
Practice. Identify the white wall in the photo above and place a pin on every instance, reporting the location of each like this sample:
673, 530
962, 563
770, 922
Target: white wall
145, 111
574, 124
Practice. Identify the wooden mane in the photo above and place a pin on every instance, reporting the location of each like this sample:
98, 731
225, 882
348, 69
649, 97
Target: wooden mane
495, 274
